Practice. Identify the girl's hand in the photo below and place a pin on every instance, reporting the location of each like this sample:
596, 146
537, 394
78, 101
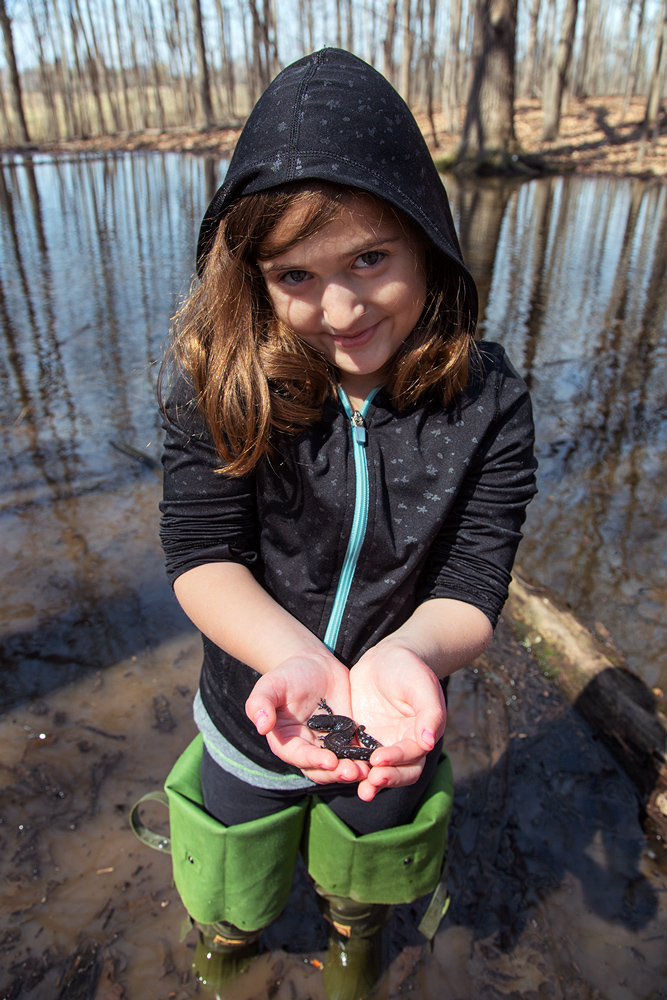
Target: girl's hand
400, 702
285, 698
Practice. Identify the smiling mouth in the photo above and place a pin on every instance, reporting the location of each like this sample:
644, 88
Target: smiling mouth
355, 339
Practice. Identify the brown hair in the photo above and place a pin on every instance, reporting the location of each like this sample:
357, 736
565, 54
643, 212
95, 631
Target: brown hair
253, 377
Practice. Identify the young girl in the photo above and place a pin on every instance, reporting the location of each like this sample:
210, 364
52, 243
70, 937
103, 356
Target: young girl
346, 475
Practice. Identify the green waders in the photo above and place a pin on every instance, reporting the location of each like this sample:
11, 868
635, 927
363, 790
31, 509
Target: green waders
234, 881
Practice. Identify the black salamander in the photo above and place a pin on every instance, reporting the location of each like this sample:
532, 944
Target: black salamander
340, 732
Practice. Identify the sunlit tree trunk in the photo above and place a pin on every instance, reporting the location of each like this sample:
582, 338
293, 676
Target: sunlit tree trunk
528, 86
430, 70
121, 66
488, 137
388, 43
202, 64
92, 70
656, 82
350, 27
406, 52
339, 25
451, 93
631, 83
15, 95
53, 128
552, 107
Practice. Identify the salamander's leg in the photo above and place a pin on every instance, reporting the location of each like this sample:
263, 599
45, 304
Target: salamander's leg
366, 739
323, 705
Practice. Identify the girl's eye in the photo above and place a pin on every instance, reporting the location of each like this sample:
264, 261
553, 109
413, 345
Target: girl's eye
370, 258
294, 277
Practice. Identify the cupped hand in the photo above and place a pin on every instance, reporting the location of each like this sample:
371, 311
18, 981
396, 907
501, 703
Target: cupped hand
283, 700
400, 702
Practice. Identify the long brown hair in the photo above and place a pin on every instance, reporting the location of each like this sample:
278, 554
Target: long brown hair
253, 377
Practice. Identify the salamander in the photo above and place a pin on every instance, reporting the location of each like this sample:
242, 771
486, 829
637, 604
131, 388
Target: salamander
340, 731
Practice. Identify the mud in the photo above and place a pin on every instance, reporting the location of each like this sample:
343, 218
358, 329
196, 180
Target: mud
556, 890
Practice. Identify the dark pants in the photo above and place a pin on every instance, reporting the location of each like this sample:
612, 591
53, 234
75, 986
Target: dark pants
232, 801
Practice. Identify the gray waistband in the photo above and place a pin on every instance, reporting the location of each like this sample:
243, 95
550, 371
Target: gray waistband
234, 762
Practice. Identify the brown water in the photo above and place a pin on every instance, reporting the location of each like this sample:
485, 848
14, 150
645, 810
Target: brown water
557, 891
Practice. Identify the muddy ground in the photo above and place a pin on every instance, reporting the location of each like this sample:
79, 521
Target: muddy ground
594, 138
557, 891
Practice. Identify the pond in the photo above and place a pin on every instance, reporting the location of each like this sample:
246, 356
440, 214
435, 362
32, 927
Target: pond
100, 665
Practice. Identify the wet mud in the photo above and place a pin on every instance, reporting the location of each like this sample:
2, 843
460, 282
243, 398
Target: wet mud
556, 889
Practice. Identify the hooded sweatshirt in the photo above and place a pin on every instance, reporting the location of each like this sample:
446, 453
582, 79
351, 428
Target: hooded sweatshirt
348, 528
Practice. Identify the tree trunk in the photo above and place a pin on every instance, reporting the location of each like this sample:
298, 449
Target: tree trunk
388, 43
15, 95
654, 94
92, 71
552, 109
121, 67
634, 63
451, 93
202, 65
529, 67
489, 141
406, 52
53, 130
594, 676
430, 70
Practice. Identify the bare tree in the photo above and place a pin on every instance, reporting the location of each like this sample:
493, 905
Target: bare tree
202, 64
488, 141
554, 98
451, 81
529, 65
407, 39
388, 43
656, 82
15, 94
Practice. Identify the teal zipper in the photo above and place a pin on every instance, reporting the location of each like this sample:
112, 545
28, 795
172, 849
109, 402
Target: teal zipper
360, 517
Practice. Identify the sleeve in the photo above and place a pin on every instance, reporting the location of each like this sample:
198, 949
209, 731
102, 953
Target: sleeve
206, 515
472, 557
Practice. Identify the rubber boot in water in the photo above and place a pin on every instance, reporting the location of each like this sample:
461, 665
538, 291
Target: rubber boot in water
222, 953
354, 962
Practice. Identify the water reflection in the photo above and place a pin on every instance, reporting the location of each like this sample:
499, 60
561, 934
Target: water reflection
577, 292
93, 256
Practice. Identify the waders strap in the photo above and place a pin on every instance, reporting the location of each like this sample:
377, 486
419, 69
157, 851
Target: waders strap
437, 908
155, 840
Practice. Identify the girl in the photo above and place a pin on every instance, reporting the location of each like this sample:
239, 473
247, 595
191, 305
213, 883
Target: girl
346, 476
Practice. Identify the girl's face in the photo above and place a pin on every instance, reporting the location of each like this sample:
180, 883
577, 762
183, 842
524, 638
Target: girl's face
353, 291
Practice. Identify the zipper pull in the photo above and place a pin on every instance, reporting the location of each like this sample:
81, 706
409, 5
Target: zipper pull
358, 428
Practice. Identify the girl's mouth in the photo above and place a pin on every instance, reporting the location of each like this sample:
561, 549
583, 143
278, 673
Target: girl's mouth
355, 339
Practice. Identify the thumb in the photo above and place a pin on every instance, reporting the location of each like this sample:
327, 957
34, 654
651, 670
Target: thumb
261, 706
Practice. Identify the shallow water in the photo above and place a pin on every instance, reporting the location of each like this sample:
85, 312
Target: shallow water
556, 889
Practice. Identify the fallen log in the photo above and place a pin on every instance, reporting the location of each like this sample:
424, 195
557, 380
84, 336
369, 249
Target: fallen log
594, 676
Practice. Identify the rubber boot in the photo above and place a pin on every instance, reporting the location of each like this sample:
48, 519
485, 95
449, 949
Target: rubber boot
355, 958
222, 953
238, 876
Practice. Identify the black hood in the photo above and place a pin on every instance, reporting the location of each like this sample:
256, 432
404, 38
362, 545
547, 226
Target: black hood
331, 116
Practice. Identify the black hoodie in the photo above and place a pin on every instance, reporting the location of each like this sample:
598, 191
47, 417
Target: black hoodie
447, 489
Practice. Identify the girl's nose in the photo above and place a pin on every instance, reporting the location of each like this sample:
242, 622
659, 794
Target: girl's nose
341, 307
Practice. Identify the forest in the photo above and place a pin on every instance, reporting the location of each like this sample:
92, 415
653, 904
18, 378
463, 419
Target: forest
84, 68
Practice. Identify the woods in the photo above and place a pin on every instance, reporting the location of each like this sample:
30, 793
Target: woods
81, 68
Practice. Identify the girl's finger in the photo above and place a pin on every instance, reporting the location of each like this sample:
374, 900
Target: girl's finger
261, 712
403, 753
302, 754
